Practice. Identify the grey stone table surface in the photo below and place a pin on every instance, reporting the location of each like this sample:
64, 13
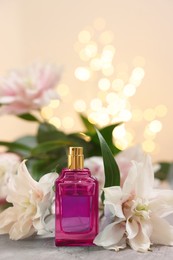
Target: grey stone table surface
43, 248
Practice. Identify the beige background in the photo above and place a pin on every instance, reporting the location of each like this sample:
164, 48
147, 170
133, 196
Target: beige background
46, 30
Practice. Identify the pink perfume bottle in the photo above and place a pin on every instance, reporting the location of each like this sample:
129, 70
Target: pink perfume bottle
76, 204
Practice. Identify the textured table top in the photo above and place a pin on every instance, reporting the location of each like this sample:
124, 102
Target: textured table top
43, 248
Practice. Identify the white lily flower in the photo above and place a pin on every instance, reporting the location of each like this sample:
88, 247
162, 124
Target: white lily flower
135, 211
29, 89
31, 204
124, 160
9, 163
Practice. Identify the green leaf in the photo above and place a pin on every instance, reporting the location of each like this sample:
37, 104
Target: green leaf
165, 172
77, 140
18, 148
48, 132
49, 146
5, 205
61, 163
28, 140
106, 132
28, 117
112, 173
38, 168
90, 127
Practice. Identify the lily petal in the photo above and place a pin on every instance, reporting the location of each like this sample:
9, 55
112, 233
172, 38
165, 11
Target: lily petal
112, 210
162, 232
129, 184
145, 178
110, 236
46, 181
162, 203
140, 243
20, 232
7, 217
113, 194
23, 180
120, 245
132, 228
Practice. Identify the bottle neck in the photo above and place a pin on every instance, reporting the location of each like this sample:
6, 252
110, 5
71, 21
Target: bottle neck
75, 162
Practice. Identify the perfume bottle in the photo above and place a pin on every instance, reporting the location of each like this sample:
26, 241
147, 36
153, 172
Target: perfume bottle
76, 203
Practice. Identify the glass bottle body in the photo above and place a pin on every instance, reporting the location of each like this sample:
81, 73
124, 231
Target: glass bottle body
76, 208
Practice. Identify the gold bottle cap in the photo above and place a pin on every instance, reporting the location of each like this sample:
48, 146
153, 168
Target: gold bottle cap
75, 158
